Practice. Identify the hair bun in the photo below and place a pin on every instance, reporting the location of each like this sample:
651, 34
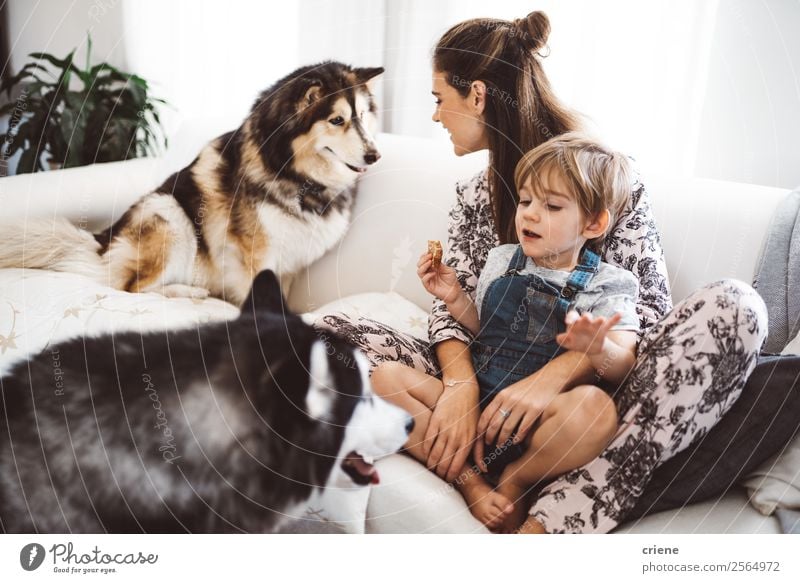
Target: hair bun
535, 29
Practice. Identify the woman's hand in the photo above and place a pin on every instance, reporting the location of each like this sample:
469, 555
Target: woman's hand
441, 282
519, 406
451, 430
585, 333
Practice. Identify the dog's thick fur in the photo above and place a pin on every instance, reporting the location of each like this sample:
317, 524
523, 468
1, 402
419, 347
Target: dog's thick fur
219, 429
275, 194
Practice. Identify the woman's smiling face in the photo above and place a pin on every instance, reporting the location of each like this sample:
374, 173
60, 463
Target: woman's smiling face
461, 116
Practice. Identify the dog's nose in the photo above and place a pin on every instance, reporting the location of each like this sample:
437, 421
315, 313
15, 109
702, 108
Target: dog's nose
372, 157
410, 425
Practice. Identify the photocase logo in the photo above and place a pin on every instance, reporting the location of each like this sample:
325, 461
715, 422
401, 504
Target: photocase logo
31, 556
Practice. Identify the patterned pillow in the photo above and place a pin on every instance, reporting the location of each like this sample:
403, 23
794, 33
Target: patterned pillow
388, 308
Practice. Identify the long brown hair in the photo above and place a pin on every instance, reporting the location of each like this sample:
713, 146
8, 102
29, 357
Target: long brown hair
521, 109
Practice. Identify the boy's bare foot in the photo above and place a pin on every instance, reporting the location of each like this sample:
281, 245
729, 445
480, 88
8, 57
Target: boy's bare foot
488, 506
515, 492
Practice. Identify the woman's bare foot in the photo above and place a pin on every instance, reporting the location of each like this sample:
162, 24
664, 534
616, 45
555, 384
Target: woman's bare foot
485, 504
531, 526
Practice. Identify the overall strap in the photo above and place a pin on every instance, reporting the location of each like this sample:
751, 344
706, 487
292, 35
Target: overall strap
518, 261
582, 274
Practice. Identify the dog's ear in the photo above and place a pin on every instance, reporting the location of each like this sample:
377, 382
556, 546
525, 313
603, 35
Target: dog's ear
365, 75
265, 295
312, 91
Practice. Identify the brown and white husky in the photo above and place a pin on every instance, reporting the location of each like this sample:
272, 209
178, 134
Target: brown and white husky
276, 193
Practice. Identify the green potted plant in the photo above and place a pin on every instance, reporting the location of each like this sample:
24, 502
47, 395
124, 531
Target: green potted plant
74, 117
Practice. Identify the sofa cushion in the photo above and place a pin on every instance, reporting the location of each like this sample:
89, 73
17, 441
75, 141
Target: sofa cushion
40, 308
411, 499
730, 514
793, 347
334, 510
776, 484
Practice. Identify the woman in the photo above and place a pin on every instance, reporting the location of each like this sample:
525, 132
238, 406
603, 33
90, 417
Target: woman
491, 93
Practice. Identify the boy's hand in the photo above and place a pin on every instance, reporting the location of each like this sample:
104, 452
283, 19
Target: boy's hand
441, 282
585, 333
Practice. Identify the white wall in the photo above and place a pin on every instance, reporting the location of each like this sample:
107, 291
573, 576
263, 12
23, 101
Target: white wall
57, 27
212, 58
750, 130
721, 102
207, 58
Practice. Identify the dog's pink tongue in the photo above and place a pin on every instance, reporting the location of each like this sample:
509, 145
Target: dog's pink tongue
366, 469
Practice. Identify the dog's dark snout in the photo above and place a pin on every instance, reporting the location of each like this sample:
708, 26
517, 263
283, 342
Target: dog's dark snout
372, 157
410, 425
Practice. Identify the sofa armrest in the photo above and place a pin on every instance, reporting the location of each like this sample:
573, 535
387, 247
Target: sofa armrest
90, 196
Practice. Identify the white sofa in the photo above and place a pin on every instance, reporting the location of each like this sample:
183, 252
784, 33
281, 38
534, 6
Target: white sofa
710, 230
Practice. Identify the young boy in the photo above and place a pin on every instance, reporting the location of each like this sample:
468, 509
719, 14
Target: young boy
534, 300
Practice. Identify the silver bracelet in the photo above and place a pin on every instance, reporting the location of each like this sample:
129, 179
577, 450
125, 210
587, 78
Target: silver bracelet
452, 383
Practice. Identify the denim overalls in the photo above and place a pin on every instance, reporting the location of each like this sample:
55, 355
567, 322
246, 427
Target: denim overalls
520, 318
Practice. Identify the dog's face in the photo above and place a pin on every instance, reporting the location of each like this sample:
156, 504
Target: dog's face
314, 394
327, 116
375, 428
343, 135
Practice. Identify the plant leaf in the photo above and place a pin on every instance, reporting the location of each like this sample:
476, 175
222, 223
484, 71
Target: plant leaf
77, 111
104, 74
138, 81
33, 66
63, 78
26, 72
60, 63
105, 67
112, 117
88, 49
7, 84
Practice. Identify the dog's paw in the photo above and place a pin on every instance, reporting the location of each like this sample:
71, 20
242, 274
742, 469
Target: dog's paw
179, 290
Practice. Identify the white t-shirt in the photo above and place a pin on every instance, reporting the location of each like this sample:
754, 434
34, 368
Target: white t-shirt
611, 290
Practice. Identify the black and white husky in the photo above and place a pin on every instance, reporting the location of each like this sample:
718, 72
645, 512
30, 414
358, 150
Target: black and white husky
224, 428
276, 193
